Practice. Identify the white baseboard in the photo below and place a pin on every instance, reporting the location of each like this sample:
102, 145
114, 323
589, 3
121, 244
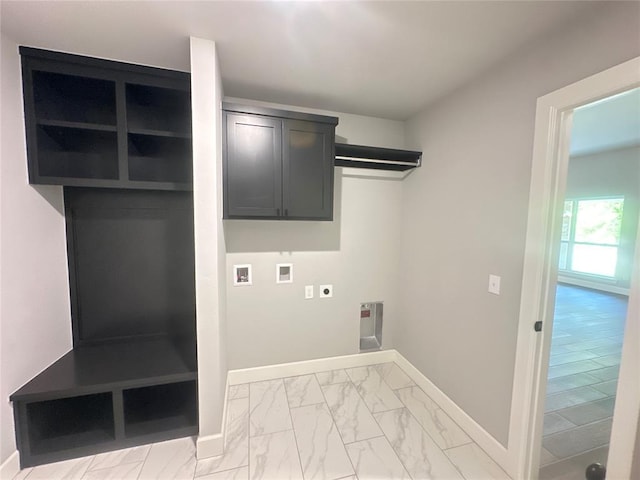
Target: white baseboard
10, 467
213, 445
209, 446
257, 374
579, 282
479, 435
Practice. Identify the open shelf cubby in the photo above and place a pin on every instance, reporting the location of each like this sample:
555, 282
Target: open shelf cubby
156, 408
77, 152
67, 423
154, 158
73, 98
157, 109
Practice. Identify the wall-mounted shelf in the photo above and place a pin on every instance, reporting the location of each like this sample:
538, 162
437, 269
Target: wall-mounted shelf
360, 156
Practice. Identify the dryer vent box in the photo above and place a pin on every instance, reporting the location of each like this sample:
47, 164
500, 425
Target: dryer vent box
370, 326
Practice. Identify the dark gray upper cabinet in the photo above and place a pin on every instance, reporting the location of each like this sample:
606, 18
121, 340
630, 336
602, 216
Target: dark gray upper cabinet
253, 174
99, 123
278, 164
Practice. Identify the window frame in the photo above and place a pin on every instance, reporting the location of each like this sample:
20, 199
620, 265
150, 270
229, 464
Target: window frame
568, 271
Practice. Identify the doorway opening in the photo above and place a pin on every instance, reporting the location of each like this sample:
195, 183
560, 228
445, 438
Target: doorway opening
599, 227
551, 153
596, 250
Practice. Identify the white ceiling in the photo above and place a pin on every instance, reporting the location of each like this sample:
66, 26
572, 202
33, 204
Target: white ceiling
613, 122
388, 59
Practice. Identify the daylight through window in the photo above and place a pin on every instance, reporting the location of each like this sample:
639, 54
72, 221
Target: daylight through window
591, 236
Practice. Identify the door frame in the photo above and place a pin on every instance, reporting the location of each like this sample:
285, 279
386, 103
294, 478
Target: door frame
554, 113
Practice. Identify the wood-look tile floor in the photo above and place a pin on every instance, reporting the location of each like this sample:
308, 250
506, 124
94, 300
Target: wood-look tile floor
586, 346
362, 423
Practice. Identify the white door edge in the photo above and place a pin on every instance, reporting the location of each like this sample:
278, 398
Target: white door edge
548, 182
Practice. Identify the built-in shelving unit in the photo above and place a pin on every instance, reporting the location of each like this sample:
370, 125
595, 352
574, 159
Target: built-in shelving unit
118, 138
97, 123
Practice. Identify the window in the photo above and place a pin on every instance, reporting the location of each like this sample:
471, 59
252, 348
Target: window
591, 236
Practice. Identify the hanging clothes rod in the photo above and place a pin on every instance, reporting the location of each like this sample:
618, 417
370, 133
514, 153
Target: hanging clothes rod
375, 160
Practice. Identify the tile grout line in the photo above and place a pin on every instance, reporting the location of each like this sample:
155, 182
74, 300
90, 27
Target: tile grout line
384, 435
146, 457
344, 445
270, 433
573, 390
389, 441
221, 471
470, 442
438, 407
564, 459
295, 437
90, 463
428, 434
579, 426
590, 402
485, 452
364, 439
383, 381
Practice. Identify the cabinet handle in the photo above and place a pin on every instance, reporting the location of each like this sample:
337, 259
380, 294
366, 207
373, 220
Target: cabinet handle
277, 212
286, 212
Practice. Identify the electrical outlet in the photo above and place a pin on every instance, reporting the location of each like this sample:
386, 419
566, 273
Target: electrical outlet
326, 291
494, 284
308, 292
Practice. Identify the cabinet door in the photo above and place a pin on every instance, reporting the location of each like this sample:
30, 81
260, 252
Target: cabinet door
253, 166
308, 156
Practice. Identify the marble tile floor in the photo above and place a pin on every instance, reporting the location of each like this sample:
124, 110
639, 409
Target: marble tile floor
362, 423
586, 346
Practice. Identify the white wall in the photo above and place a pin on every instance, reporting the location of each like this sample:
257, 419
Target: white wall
206, 95
35, 318
272, 323
464, 212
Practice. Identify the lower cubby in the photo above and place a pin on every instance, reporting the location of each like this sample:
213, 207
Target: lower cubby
160, 408
105, 397
68, 423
